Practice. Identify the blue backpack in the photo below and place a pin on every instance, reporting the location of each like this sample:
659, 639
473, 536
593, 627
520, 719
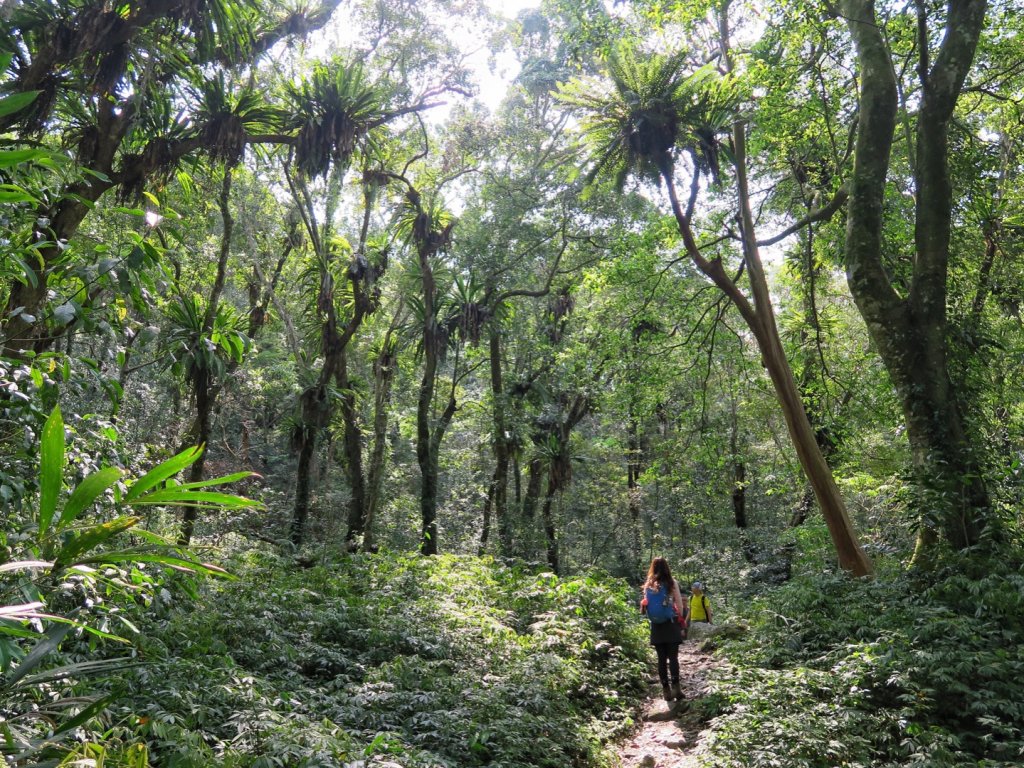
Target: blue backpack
659, 605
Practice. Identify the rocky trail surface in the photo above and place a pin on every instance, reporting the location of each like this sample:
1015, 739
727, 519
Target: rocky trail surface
669, 736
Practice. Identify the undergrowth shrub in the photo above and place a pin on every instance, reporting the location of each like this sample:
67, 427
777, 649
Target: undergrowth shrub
442, 661
843, 672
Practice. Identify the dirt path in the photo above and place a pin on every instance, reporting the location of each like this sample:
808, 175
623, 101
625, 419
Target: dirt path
669, 735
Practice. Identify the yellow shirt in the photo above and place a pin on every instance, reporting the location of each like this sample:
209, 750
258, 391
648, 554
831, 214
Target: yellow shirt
697, 604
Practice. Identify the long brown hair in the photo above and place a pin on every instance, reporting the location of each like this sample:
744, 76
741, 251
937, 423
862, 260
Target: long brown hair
659, 573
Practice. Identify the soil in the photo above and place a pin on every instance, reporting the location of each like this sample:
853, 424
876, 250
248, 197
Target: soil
670, 734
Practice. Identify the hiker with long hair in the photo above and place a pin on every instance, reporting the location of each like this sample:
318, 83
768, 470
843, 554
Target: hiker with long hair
664, 606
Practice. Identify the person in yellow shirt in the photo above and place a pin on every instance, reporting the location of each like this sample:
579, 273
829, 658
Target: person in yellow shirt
700, 610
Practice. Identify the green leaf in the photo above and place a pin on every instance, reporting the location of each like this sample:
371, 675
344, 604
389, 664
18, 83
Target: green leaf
51, 468
22, 611
16, 102
25, 565
219, 480
188, 498
86, 493
11, 193
86, 714
158, 558
91, 538
83, 668
39, 651
162, 471
18, 156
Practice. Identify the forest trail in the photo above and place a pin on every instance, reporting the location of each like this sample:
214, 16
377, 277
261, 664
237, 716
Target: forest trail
669, 735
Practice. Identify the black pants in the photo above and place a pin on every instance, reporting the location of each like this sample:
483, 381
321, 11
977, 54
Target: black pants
668, 662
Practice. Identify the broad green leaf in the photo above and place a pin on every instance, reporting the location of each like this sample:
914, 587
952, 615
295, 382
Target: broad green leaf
11, 193
17, 156
188, 498
86, 493
162, 471
16, 102
91, 538
51, 468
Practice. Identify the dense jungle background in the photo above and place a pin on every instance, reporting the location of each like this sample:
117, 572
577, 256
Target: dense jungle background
357, 356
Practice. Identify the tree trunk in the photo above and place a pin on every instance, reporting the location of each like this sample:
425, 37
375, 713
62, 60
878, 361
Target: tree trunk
384, 375
760, 319
499, 485
534, 478
198, 435
205, 388
550, 530
424, 411
352, 440
303, 477
485, 521
910, 331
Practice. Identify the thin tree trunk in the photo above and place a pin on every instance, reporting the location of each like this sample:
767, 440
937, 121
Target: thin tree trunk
384, 375
353, 448
485, 522
534, 478
550, 530
205, 388
498, 492
303, 476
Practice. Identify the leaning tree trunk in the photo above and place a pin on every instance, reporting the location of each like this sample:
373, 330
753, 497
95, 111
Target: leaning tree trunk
760, 319
759, 316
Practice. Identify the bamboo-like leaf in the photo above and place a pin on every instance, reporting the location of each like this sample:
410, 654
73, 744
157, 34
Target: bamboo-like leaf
174, 561
7, 630
39, 651
11, 193
189, 498
86, 714
219, 480
51, 468
82, 669
162, 471
25, 565
22, 611
86, 493
92, 537
18, 156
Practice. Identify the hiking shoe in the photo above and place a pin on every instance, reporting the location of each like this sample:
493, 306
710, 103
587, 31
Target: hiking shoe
677, 692
666, 692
